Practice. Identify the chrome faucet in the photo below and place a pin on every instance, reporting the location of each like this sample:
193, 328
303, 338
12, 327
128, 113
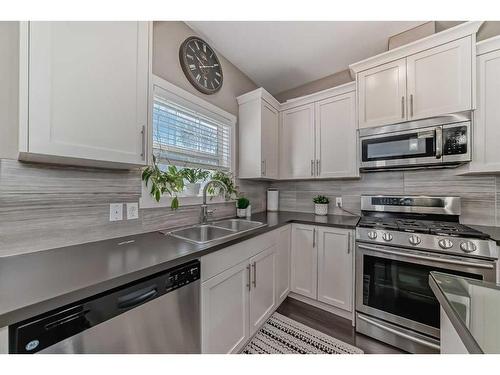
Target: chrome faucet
204, 207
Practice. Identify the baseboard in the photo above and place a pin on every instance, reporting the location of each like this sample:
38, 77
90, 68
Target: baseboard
323, 306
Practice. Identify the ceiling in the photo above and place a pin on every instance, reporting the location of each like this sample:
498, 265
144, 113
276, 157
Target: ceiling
280, 55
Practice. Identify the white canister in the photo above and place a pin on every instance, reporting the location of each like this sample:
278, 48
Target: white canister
273, 197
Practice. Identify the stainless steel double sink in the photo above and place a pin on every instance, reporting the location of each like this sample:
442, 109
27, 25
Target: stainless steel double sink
217, 230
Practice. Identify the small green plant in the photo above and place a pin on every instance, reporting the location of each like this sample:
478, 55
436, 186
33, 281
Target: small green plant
170, 182
194, 175
227, 179
321, 199
242, 203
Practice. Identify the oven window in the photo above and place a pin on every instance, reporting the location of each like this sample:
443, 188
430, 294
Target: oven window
402, 288
418, 144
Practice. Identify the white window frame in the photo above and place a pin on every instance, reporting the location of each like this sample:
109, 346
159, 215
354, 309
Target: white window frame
184, 98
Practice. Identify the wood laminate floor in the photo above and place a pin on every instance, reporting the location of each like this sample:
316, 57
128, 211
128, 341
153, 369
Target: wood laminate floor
334, 326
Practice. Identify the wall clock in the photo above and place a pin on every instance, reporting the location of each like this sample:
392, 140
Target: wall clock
201, 65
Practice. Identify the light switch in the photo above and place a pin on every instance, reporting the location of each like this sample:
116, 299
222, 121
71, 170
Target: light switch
116, 211
132, 211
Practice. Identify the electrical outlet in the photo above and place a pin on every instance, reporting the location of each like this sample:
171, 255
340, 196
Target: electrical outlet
338, 201
132, 211
116, 211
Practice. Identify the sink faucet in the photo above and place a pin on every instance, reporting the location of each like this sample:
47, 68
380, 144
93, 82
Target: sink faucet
204, 207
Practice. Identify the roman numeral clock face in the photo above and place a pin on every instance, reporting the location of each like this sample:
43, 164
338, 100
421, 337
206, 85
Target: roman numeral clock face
201, 65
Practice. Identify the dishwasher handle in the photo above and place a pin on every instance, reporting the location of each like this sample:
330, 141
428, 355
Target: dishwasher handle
137, 297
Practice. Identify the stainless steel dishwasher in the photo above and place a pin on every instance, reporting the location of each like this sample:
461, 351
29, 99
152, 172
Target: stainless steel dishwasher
158, 314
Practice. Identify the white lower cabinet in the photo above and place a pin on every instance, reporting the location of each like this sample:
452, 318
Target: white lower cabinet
263, 288
225, 310
322, 264
335, 267
283, 257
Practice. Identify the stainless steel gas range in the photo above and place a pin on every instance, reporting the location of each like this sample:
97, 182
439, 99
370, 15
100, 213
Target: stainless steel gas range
399, 240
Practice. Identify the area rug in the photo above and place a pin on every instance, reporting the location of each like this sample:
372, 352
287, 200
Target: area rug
282, 335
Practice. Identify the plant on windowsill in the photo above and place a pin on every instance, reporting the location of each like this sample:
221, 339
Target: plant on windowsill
169, 182
194, 177
321, 205
242, 205
227, 179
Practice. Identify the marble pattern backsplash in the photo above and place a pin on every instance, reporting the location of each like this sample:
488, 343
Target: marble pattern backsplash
480, 194
46, 206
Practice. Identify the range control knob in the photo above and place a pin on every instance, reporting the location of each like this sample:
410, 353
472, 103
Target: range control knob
468, 247
387, 237
372, 235
414, 240
445, 243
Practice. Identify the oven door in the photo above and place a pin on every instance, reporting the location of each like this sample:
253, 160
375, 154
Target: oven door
393, 284
402, 148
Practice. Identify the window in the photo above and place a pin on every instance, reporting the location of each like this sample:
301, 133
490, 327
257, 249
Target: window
188, 132
186, 138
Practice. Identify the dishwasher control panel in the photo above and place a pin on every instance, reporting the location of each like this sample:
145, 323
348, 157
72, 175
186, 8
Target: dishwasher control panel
183, 276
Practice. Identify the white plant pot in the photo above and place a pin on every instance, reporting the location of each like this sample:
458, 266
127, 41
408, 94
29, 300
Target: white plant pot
241, 212
192, 189
320, 209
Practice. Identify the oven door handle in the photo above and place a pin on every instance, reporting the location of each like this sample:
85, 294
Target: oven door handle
401, 334
431, 258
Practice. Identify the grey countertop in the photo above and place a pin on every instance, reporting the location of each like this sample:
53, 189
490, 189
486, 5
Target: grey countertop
472, 307
493, 232
31, 284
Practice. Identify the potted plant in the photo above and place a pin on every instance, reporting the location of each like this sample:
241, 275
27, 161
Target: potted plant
169, 181
227, 179
321, 205
241, 206
194, 177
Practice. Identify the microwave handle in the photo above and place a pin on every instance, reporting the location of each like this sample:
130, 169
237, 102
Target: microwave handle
439, 142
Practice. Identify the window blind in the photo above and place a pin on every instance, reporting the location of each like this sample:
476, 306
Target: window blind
186, 138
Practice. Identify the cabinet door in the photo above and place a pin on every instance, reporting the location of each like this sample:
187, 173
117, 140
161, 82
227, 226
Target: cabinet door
336, 150
88, 90
335, 273
224, 310
440, 80
297, 142
382, 94
283, 263
304, 260
269, 131
486, 152
263, 292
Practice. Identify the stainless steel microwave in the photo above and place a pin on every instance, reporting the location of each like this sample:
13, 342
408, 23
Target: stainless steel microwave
437, 141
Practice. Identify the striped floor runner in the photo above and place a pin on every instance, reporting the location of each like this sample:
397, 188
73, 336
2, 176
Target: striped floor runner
282, 335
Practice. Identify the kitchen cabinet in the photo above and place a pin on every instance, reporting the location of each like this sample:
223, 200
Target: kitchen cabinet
318, 135
304, 274
283, 257
322, 265
258, 135
84, 92
439, 80
382, 94
297, 139
486, 130
336, 138
263, 288
224, 314
430, 77
335, 267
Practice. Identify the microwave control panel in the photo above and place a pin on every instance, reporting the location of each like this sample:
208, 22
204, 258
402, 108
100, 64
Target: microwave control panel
455, 140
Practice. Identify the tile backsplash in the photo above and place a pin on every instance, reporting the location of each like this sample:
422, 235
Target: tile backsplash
480, 194
44, 206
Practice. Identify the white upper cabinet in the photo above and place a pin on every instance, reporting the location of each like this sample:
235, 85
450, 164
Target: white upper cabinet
297, 158
486, 150
336, 152
86, 92
258, 135
430, 77
440, 80
382, 94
